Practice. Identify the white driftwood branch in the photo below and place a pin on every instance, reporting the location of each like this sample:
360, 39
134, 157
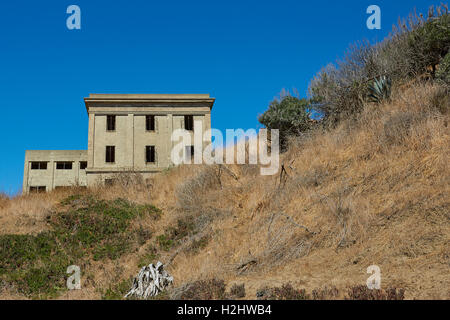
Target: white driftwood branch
150, 281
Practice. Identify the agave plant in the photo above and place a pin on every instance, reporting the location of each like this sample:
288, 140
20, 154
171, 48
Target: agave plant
380, 89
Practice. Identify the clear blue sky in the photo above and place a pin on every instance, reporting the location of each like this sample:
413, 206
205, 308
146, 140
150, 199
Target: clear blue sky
241, 52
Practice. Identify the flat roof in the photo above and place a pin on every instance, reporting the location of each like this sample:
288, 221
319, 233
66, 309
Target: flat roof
138, 99
147, 96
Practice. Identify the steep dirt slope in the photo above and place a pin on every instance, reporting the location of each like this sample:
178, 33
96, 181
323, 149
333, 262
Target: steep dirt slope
372, 191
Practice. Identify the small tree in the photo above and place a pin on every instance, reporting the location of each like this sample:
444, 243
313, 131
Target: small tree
288, 114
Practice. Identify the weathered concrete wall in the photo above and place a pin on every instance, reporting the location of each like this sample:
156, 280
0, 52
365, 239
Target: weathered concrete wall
52, 177
130, 136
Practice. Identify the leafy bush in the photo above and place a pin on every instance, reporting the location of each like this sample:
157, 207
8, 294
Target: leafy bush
149, 256
289, 115
118, 291
37, 264
429, 40
173, 235
199, 244
443, 73
415, 47
165, 243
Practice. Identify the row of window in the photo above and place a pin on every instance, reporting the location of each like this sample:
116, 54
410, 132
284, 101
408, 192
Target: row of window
60, 165
150, 153
36, 189
149, 122
150, 157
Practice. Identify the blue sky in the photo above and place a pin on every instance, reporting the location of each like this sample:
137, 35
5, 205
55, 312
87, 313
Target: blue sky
241, 52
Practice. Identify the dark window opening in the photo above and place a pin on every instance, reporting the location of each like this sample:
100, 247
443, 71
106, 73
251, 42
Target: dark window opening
110, 123
38, 189
62, 187
110, 154
150, 154
150, 123
109, 182
64, 165
189, 152
39, 165
83, 165
189, 122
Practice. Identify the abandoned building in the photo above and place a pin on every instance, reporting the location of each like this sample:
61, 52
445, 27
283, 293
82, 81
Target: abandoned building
127, 133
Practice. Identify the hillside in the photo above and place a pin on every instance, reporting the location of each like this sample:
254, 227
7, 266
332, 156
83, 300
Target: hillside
370, 191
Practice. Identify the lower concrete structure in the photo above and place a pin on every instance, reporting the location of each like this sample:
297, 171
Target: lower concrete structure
46, 170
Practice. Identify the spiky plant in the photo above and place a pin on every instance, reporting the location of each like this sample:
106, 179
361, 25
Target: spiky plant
380, 89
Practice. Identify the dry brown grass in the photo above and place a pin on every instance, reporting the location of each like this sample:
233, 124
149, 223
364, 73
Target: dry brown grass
369, 192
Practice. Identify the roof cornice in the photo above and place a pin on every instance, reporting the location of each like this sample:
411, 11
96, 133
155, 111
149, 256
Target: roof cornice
148, 100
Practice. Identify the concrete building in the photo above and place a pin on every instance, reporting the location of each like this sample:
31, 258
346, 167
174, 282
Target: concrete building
127, 133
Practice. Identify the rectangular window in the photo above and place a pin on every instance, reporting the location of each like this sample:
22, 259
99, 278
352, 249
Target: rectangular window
150, 154
110, 123
150, 123
38, 165
64, 165
189, 152
110, 154
38, 189
62, 187
189, 123
109, 182
83, 165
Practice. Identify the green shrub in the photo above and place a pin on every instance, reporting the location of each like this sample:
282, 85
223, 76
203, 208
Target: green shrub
289, 115
118, 291
150, 255
415, 47
164, 242
37, 264
199, 244
173, 234
443, 73
430, 41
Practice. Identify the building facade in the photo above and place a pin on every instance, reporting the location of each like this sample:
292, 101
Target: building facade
127, 133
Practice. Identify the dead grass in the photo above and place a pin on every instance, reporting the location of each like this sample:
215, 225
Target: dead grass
369, 192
